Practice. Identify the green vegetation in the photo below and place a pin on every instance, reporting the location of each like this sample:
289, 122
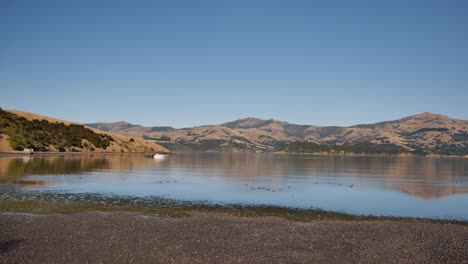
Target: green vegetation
430, 129
162, 138
42, 135
420, 152
462, 136
371, 148
452, 149
358, 148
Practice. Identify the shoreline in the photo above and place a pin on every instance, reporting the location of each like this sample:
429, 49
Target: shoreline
20, 153
366, 155
177, 209
126, 237
23, 153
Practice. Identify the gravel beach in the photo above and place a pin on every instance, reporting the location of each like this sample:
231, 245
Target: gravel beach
123, 237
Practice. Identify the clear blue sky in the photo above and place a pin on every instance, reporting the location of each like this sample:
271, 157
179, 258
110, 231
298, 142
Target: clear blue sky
185, 63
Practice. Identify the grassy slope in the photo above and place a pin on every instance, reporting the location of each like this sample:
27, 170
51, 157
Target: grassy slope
119, 144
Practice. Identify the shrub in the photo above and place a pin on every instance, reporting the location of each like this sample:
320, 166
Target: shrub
40, 134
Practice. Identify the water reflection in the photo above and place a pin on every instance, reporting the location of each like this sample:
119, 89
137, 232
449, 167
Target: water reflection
13, 167
347, 183
427, 178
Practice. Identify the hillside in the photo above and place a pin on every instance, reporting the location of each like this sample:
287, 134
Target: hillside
125, 128
425, 133
20, 130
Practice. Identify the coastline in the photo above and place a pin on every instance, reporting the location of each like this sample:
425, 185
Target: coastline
22, 153
51, 153
366, 155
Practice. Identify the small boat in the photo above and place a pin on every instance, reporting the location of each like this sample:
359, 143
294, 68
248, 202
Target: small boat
159, 156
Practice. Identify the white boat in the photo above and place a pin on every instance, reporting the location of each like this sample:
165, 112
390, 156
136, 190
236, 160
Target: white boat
159, 156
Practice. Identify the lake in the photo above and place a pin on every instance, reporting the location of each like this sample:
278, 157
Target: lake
426, 187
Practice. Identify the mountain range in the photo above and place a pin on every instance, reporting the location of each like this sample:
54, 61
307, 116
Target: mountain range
425, 133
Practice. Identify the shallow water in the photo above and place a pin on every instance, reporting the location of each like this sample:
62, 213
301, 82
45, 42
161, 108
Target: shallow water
390, 186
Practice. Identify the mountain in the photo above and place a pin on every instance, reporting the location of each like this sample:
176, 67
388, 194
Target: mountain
250, 122
128, 129
425, 133
20, 130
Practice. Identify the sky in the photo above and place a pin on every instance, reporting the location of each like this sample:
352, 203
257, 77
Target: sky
186, 63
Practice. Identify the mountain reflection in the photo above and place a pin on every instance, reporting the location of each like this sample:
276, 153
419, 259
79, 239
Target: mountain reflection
16, 167
426, 178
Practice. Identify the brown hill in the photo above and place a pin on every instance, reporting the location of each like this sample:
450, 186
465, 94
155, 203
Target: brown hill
125, 128
119, 142
426, 132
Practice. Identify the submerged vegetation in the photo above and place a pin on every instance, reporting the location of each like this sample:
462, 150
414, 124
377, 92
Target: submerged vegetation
42, 135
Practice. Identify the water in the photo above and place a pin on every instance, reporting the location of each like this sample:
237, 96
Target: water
388, 186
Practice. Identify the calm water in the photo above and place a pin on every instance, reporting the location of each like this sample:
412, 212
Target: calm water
397, 186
